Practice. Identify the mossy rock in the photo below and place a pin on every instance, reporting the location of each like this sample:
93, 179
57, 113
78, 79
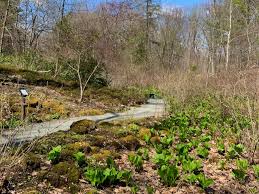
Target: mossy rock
32, 161
45, 144
102, 155
155, 140
129, 142
144, 132
69, 150
63, 174
83, 127
80, 146
97, 140
123, 132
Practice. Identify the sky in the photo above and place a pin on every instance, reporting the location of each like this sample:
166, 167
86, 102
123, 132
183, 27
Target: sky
173, 3
183, 3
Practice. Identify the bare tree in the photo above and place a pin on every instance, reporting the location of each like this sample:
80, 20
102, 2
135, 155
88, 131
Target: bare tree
229, 35
4, 25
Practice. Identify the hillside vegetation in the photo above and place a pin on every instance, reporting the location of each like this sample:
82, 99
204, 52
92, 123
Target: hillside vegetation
200, 148
79, 58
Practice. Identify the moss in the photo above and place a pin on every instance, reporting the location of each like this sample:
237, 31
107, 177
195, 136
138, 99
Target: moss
123, 132
144, 132
33, 161
83, 127
95, 149
73, 188
97, 140
130, 142
86, 112
55, 106
63, 174
69, 150
155, 140
92, 191
24, 76
102, 155
45, 144
33, 102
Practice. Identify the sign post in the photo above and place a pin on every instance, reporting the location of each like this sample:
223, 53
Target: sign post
24, 94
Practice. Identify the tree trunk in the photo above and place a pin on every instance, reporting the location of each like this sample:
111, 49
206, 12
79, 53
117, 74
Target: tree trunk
229, 35
4, 26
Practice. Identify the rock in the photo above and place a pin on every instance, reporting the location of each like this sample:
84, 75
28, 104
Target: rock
130, 142
143, 132
63, 174
69, 150
155, 140
83, 127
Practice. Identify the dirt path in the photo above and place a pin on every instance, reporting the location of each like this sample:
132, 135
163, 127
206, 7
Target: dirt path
153, 108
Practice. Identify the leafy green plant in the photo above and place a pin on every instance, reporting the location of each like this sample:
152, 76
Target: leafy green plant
136, 161
202, 152
206, 138
163, 158
133, 127
241, 170
192, 166
166, 141
54, 154
147, 138
152, 131
80, 158
134, 189
106, 175
222, 164
256, 170
182, 151
159, 148
168, 174
234, 151
192, 178
221, 147
144, 153
194, 143
150, 190
203, 181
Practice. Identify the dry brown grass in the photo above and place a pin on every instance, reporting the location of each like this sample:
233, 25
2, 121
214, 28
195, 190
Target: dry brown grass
225, 86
